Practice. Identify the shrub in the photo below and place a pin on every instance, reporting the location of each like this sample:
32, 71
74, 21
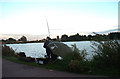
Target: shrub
75, 61
78, 54
78, 66
107, 54
7, 51
74, 65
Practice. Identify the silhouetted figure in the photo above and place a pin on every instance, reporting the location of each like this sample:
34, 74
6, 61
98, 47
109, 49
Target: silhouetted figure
48, 50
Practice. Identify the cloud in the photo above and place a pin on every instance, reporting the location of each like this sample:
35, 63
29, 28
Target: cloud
107, 31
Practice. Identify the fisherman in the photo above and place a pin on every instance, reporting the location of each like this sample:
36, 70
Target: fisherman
48, 50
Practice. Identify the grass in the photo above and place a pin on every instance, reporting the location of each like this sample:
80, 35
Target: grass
111, 72
106, 58
16, 60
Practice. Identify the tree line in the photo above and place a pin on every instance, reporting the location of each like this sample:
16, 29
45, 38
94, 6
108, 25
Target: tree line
12, 40
65, 38
77, 37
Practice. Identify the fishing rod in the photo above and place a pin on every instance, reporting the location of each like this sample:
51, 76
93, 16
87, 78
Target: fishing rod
48, 27
49, 31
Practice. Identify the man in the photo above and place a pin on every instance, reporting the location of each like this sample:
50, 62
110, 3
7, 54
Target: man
48, 50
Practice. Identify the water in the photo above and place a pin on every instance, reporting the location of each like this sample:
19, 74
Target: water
81, 45
36, 49
31, 49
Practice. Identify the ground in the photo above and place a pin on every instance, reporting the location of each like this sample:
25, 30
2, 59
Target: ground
11, 69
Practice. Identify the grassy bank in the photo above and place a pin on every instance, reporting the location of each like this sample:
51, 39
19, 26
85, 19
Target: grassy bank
16, 60
104, 62
59, 65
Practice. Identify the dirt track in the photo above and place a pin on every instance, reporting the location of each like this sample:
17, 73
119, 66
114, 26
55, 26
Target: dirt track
11, 69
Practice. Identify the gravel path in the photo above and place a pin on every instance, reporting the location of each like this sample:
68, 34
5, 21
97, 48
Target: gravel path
11, 69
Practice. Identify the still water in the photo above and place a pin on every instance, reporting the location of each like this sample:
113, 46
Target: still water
36, 49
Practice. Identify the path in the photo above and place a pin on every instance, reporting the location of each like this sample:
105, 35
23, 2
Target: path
11, 69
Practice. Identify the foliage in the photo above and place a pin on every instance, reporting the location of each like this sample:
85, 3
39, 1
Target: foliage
64, 37
23, 38
7, 51
78, 66
114, 35
96, 37
16, 60
75, 61
104, 62
107, 54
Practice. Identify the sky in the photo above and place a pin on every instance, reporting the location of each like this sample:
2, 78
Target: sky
28, 17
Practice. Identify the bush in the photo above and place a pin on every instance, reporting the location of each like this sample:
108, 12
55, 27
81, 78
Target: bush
78, 66
107, 54
77, 54
7, 51
75, 61
74, 65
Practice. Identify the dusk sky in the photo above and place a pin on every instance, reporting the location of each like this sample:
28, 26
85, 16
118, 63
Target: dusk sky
64, 17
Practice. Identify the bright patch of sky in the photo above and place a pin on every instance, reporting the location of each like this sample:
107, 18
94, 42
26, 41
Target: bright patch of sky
64, 17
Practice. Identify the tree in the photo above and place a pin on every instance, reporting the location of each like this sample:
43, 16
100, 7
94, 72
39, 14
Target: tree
23, 38
11, 39
114, 35
90, 37
75, 37
64, 37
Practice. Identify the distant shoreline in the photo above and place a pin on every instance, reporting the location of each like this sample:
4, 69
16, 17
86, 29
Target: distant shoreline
66, 38
43, 42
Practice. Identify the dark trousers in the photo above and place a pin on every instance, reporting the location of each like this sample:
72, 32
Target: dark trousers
50, 54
